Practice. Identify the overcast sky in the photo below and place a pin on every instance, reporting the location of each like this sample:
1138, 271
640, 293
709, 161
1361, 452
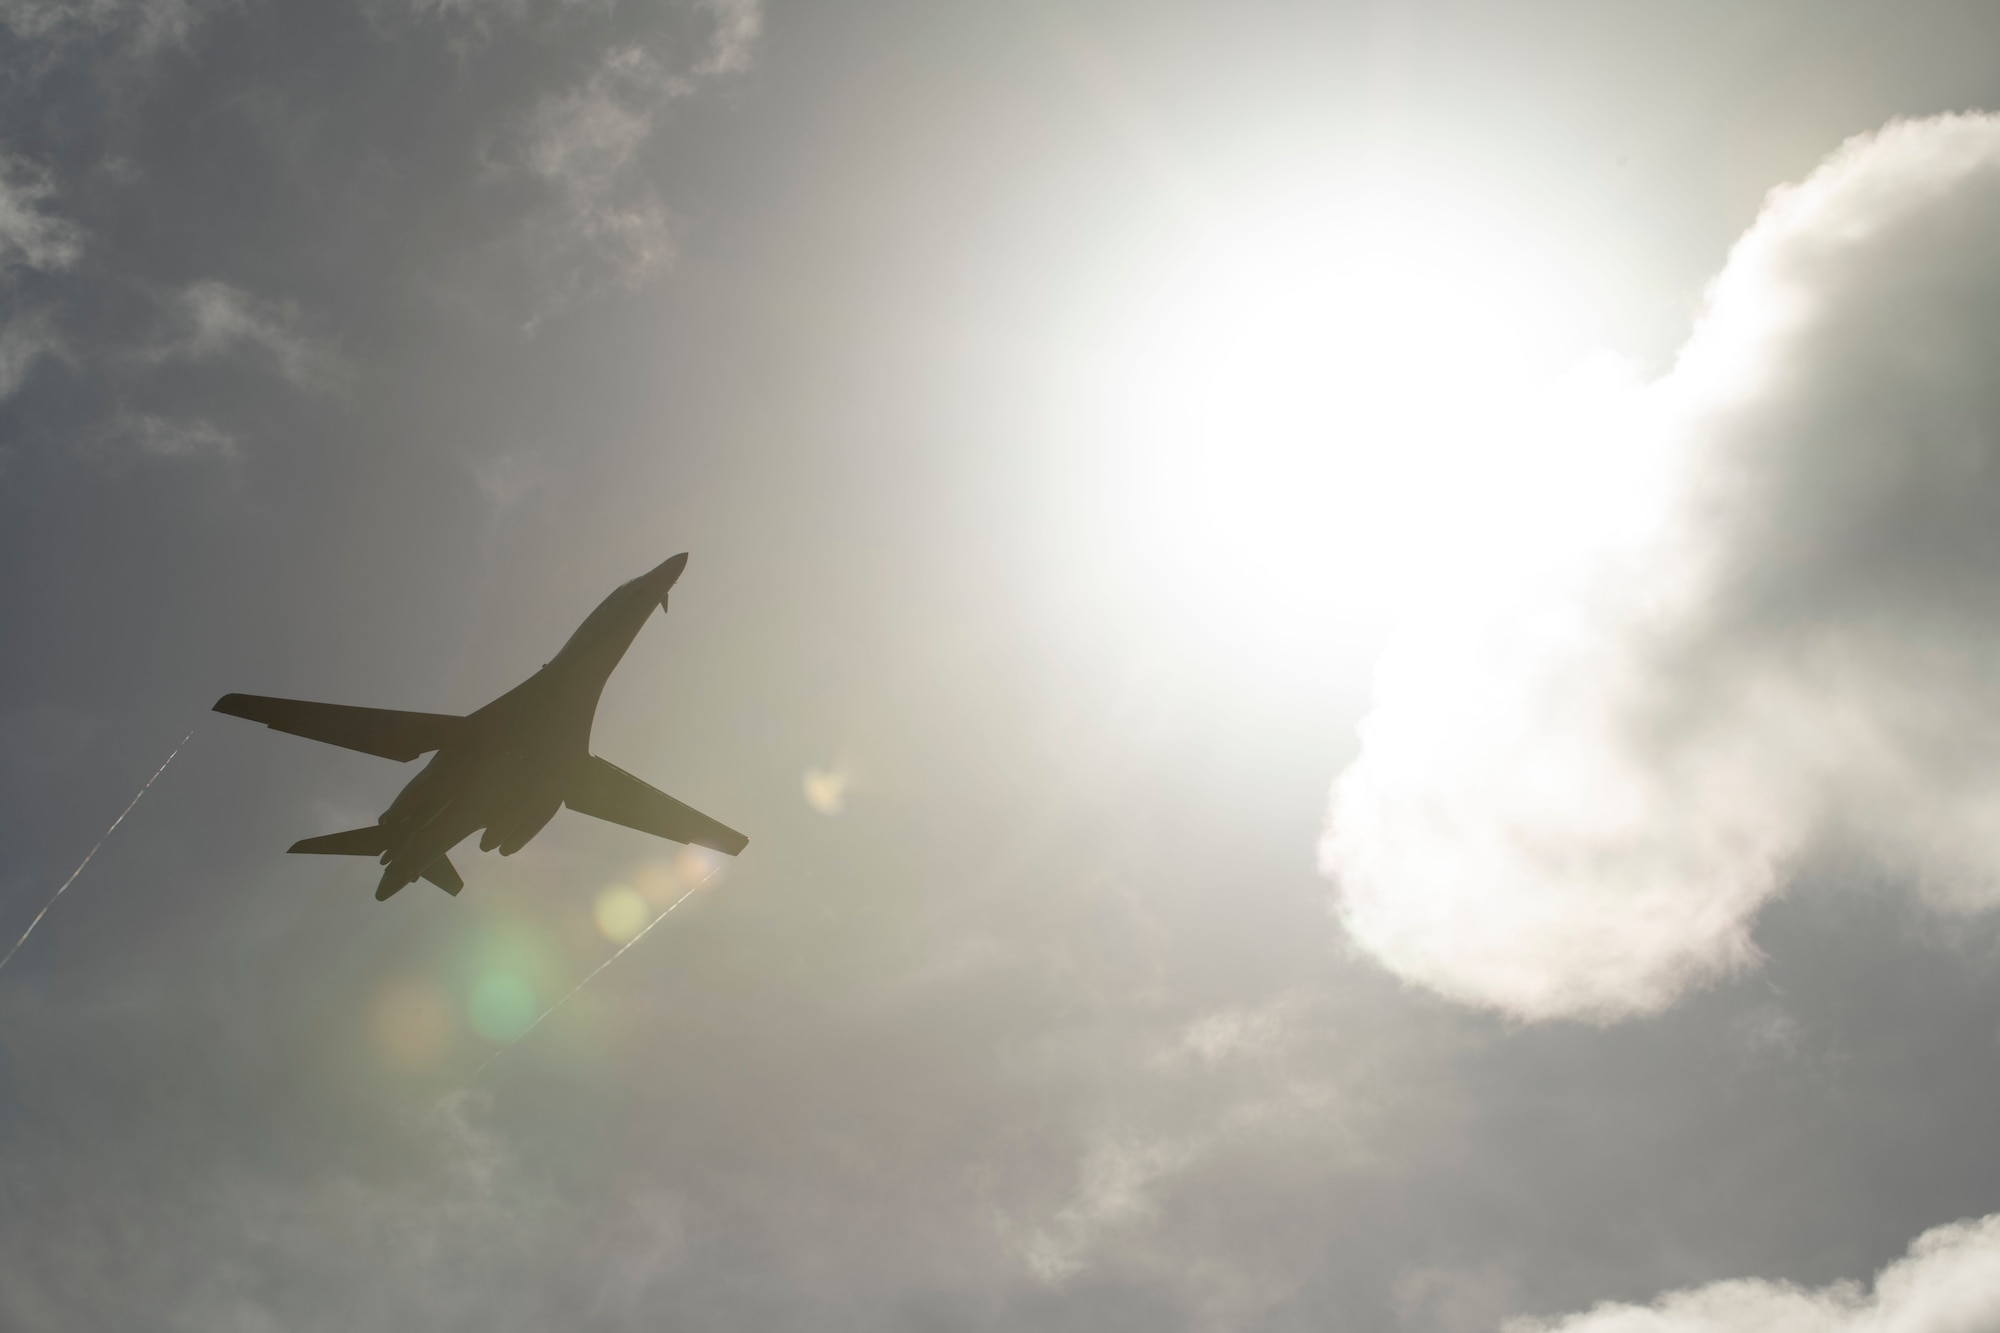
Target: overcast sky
1356, 642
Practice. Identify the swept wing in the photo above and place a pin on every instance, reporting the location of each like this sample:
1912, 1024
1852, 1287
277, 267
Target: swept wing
380, 731
605, 791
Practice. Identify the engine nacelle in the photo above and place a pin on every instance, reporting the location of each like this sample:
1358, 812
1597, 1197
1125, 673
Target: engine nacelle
512, 833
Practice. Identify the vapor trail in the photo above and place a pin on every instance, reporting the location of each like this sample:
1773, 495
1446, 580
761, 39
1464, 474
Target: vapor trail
664, 913
94, 850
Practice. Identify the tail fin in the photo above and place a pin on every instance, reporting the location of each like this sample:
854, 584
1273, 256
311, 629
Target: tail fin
370, 841
444, 874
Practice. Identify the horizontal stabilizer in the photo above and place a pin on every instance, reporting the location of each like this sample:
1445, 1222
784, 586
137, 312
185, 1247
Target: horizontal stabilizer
605, 791
387, 732
444, 874
370, 841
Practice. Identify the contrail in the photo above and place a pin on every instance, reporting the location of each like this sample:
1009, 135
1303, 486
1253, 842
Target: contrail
665, 912
92, 852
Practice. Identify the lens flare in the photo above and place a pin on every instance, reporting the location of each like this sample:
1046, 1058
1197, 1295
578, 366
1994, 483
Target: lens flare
621, 913
658, 883
698, 867
412, 1023
661, 882
501, 1006
826, 790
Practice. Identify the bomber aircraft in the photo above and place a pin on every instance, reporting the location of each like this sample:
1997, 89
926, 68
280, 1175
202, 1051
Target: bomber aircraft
506, 768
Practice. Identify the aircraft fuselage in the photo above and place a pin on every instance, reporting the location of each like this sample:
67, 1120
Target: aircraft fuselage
509, 769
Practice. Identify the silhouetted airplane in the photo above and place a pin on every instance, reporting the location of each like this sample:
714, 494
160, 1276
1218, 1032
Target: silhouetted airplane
506, 768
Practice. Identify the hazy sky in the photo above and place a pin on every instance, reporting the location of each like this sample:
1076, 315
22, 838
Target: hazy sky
1359, 670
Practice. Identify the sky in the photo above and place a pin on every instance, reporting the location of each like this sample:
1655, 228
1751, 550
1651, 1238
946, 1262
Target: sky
1354, 639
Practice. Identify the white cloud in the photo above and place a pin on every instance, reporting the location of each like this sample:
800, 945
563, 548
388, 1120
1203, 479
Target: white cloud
149, 23
1115, 1187
585, 144
212, 320
733, 25
1236, 1034
738, 24
24, 339
1948, 1283
35, 239
1768, 1033
30, 236
592, 214
166, 437
1573, 802
1232, 1085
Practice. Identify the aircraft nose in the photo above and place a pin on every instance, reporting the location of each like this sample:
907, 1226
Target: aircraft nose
668, 571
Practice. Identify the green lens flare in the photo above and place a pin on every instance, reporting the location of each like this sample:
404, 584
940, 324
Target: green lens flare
501, 1006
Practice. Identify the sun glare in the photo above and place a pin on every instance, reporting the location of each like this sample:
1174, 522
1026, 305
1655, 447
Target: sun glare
1306, 405
621, 912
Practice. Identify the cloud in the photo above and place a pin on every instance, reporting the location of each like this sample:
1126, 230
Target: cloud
30, 236
165, 437
32, 239
23, 340
211, 320
1573, 800
434, 1238
738, 25
1115, 1188
148, 23
584, 145
734, 25
1223, 1089
1767, 1032
1236, 1034
1948, 1283
505, 482
573, 170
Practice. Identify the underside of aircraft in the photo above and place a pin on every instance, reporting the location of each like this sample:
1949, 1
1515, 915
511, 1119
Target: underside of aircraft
506, 768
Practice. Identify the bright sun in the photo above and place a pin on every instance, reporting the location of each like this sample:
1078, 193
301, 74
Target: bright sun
1308, 405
